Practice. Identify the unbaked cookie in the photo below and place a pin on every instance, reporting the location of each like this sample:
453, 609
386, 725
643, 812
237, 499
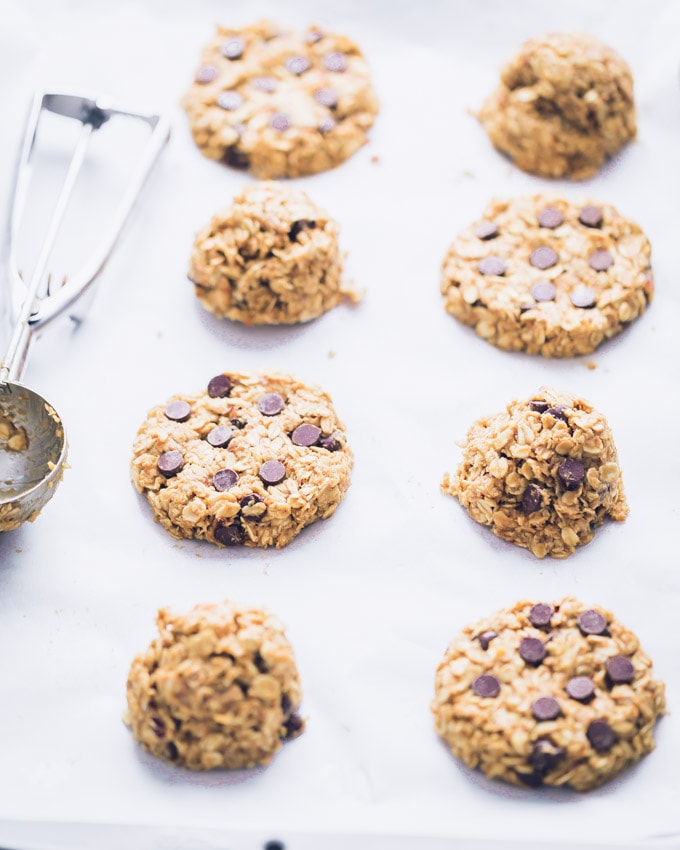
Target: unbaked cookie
250, 460
548, 694
218, 688
548, 276
564, 105
271, 258
542, 474
280, 103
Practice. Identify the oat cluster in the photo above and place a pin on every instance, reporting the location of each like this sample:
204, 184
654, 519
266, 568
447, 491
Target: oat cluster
564, 105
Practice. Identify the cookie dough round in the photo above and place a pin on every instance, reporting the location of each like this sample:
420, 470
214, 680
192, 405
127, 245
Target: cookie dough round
218, 688
548, 694
542, 474
250, 460
548, 276
271, 258
564, 105
280, 103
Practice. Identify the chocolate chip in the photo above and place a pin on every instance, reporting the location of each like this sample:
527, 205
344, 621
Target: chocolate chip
583, 296
491, 265
270, 404
299, 226
224, 479
206, 74
230, 535
601, 736
238, 423
571, 472
272, 472
170, 463
540, 615
545, 708
545, 755
220, 436
620, 670
233, 48
486, 637
219, 387
486, 230
313, 36
543, 257
274, 845
306, 435
157, 727
335, 61
326, 125
178, 411
265, 84
550, 217
326, 97
531, 780
544, 290
293, 725
286, 704
331, 444
171, 751
532, 650
532, 499
591, 216
279, 121
558, 411
486, 686
250, 499
229, 100
297, 65
600, 260
591, 622
580, 688
538, 405
260, 663
235, 157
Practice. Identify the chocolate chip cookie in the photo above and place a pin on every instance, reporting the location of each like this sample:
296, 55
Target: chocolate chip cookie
547, 276
270, 258
543, 474
218, 688
564, 105
280, 103
548, 694
250, 460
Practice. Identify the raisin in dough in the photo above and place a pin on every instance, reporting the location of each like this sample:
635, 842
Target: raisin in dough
280, 103
271, 258
564, 106
218, 688
542, 474
541, 694
547, 276
251, 460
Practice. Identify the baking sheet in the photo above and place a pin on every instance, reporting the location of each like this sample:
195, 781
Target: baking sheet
371, 597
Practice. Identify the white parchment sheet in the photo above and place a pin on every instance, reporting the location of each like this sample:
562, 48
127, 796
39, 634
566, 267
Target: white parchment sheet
371, 597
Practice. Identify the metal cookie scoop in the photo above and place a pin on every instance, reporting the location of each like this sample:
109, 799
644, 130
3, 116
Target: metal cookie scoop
33, 444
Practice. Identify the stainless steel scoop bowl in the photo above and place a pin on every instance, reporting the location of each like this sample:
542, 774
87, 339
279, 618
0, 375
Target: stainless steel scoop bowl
33, 445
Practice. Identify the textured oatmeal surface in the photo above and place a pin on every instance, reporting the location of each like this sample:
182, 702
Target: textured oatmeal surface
542, 474
218, 688
564, 105
548, 276
272, 257
555, 694
280, 103
251, 460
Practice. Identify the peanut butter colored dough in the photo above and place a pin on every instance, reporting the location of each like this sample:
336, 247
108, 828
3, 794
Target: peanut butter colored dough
548, 694
542, 474
564, 105
280, 103
548, 276
251, 460
218, 688
270, 258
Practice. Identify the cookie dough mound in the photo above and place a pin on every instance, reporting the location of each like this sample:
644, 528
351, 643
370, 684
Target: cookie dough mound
542, 694
280, 103
271, 258
218, 688
564, 105
543, 474
547, 276
251, 460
